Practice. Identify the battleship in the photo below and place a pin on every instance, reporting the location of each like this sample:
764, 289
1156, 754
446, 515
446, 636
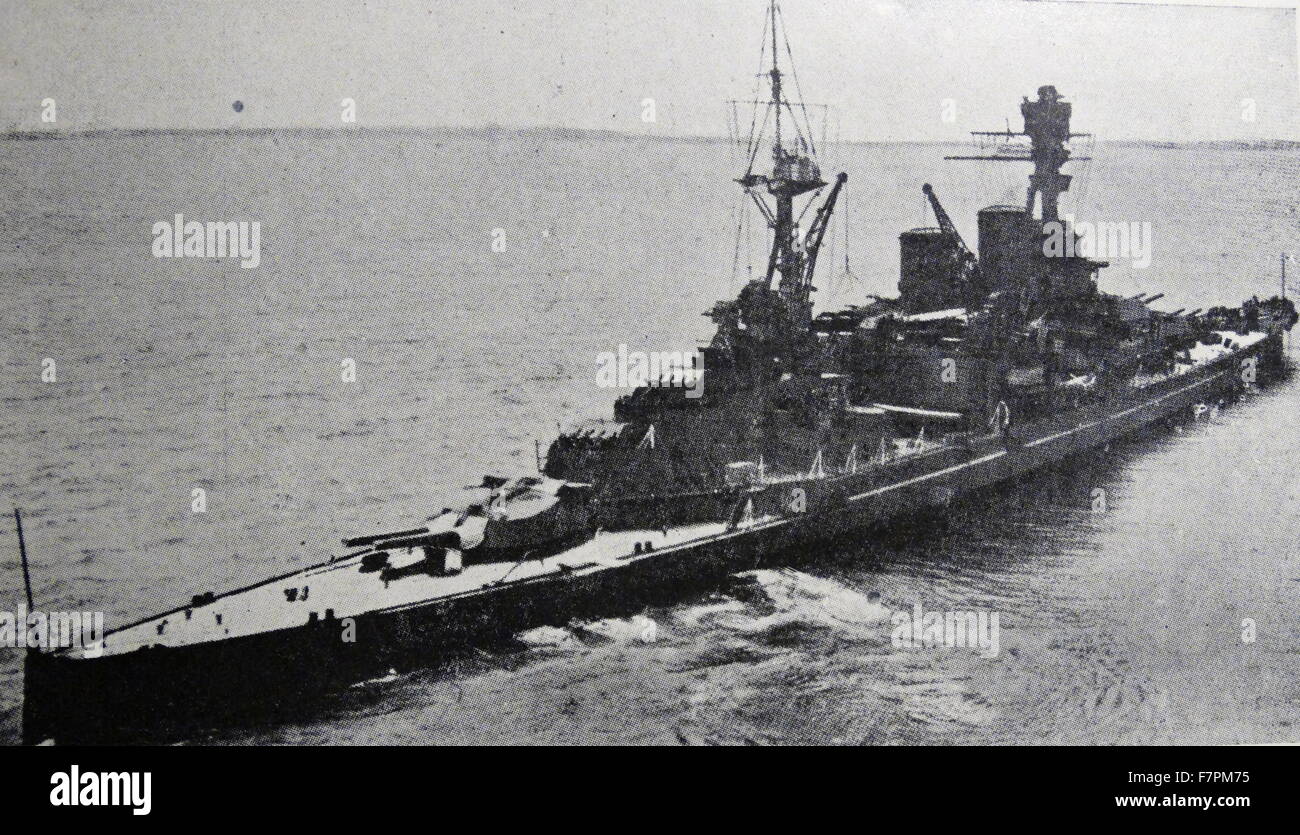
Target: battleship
991, 362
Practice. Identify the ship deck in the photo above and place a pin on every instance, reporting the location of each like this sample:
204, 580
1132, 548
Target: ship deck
342, 588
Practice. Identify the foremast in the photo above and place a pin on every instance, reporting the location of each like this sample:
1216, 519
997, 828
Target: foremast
794, 171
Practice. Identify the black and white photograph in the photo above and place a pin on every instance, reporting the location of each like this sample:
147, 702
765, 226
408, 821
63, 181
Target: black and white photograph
907, 373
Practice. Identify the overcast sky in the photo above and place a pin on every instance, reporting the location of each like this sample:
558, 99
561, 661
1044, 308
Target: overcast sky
1134, 71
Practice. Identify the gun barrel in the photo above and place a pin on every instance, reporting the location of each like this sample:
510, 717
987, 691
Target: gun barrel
361, 541
443, 539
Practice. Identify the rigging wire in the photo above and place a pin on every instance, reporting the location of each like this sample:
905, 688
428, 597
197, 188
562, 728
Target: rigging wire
733, 131
843, 279
746, 218
754, 151
735, 259
826, 118
848, 269
758, 89
1086, 174
794, 73
811, 200
832, 292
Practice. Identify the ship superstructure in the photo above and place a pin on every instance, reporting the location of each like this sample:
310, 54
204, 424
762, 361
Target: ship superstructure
972, 345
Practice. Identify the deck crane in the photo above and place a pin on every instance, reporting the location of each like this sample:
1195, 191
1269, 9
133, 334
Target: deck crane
945, 222
817, 231
969, 263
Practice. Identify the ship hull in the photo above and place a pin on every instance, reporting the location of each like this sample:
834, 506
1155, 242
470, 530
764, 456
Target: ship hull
274, 674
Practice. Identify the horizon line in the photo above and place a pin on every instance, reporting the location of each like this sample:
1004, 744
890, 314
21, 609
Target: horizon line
560, 131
